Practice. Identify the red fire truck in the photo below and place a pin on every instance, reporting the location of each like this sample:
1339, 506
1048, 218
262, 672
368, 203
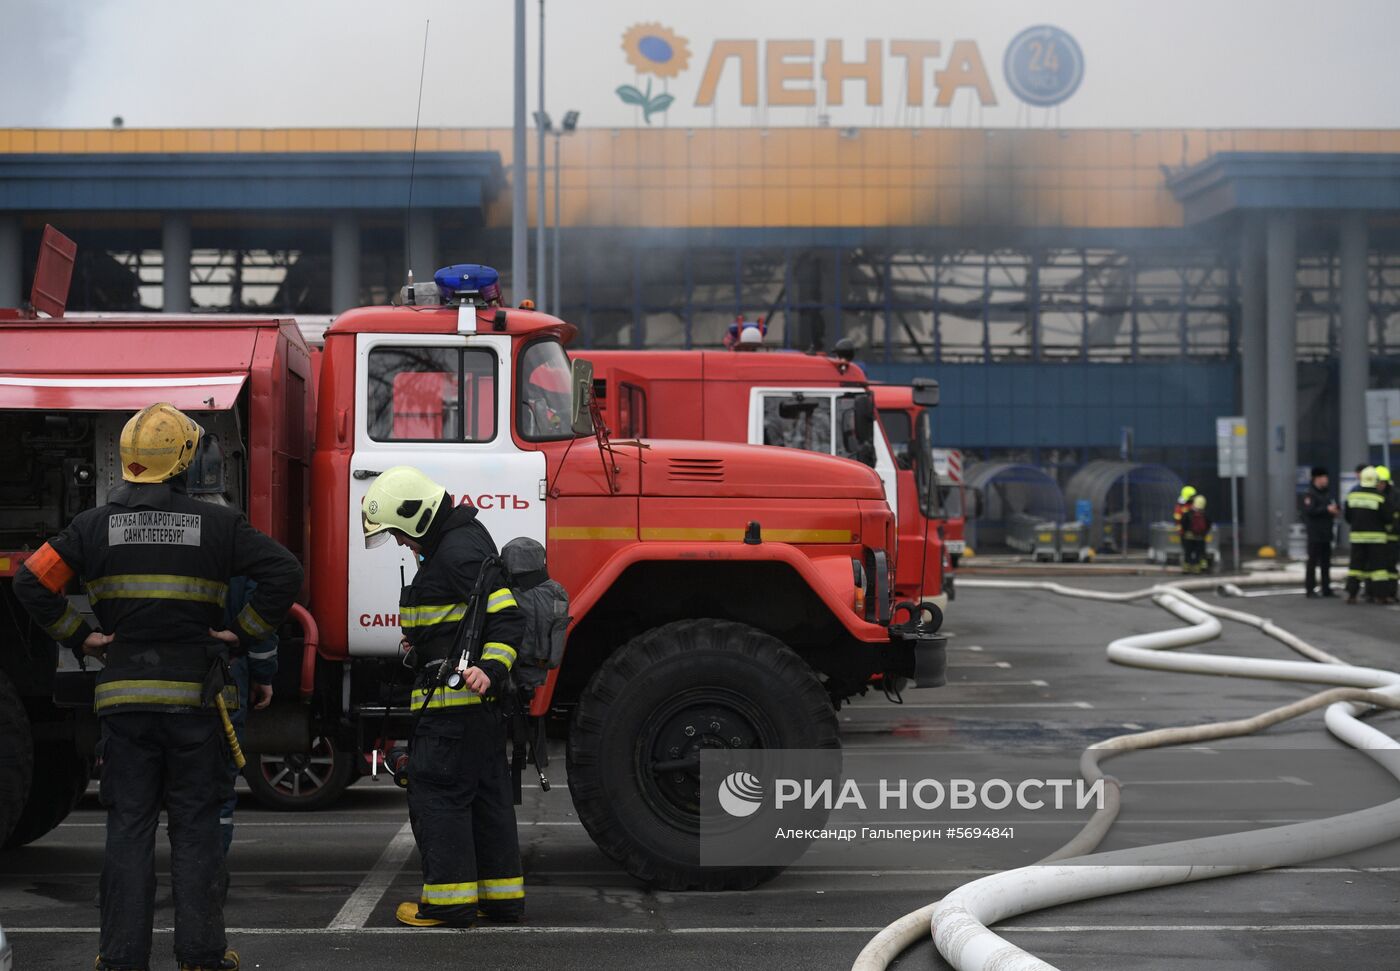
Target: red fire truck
935, 475
721, 595
807, 401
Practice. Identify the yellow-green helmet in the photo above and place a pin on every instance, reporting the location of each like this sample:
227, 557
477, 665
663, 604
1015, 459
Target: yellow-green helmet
158, 443
1383, 473
1187, 492
401, 498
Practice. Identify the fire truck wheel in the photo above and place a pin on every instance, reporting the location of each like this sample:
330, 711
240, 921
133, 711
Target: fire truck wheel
659, 700
61, 777
300, 781
16, 756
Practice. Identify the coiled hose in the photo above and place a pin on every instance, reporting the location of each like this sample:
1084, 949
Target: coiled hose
960, 921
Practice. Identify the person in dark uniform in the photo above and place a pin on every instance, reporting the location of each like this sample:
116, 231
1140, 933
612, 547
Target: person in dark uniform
156, 566
1388, 587
460, 797
1319, 512
1366, 514
1195, 527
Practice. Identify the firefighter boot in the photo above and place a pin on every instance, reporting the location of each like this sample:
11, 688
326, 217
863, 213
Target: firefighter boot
229, 963
407, 914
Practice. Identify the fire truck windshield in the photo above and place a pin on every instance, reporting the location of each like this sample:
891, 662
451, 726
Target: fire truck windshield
544, 385
817, 423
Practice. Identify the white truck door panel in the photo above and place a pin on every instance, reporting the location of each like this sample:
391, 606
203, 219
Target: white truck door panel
443, 413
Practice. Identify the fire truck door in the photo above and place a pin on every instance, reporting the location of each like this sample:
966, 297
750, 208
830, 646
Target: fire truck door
440, 402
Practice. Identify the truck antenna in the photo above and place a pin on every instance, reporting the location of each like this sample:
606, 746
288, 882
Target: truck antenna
413, 156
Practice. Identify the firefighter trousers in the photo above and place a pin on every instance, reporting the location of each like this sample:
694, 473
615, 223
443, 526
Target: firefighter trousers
176, 762
1193, 555
1386, 587
462, 808
1319, 561
1367, 565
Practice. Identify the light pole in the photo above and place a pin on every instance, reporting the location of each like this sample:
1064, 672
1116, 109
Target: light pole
542, 123
519, 229
566, 127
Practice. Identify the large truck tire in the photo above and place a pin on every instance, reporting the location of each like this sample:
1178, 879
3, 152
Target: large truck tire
16, 756
61, 777
302, 781
662, 693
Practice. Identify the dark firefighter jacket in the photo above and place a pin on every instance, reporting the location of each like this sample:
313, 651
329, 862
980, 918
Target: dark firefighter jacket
1195, 524
1367, 514
1316, 515
156, 565
431, 607
1392, 514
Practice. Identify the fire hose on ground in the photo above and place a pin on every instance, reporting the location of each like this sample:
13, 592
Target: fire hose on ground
960, 921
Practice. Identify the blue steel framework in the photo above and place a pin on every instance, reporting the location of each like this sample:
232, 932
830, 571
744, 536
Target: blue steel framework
1046, 352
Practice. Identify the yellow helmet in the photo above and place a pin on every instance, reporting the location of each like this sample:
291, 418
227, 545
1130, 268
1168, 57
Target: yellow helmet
1383, 473
1369, 477
158, 443
401, 498
1199, 502
1186, 493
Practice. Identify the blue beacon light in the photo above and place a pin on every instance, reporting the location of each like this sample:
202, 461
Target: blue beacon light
469, 283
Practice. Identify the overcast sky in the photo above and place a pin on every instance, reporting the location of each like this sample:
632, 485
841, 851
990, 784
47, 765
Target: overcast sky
355, 63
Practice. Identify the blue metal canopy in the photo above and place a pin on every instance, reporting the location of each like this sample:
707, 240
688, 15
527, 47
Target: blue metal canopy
219, 182
1230, 181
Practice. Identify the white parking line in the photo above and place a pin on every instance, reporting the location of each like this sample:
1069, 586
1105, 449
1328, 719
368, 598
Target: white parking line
595, 930
371, 890
895, 709
1037, 683
1280, 780
791, 873
323, 824
1195, 928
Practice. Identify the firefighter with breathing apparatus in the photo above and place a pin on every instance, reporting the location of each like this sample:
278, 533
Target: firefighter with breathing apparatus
156, 565
462, 628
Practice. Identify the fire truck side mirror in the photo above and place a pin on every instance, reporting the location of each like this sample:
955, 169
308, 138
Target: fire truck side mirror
580, 414
926, 392
865, 418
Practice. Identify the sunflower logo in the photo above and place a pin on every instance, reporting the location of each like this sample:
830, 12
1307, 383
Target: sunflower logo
657, 50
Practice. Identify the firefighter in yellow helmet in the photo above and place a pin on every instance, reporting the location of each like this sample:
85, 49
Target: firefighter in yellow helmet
460, 796
1195, 526
1183, 503
1388, 586
1367, 513
156, 565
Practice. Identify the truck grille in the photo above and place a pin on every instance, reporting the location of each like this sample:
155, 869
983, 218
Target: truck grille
696, 470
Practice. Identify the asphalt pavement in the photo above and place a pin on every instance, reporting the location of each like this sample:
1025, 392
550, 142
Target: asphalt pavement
1027, 674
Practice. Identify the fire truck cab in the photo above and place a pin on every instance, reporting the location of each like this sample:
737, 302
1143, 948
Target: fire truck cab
805, 401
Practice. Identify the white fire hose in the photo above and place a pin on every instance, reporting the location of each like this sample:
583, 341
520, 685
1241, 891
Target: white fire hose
960, 921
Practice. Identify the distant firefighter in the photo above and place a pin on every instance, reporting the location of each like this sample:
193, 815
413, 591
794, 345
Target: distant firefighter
1195, 526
